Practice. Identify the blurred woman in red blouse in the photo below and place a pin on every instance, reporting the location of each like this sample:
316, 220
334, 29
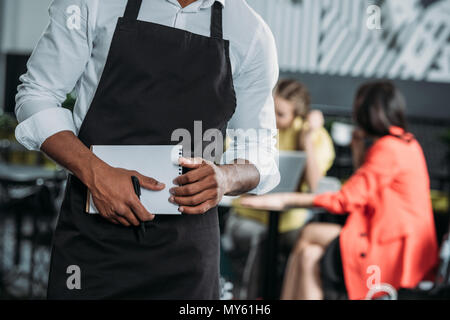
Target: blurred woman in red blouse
389, 236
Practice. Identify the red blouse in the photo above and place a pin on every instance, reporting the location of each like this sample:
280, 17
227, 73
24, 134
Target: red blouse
390, 227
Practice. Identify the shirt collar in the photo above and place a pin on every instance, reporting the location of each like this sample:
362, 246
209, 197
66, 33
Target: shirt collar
209, 3
401, 133
197, 5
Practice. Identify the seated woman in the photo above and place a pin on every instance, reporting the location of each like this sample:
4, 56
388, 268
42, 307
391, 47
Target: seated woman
299, 129
389, 235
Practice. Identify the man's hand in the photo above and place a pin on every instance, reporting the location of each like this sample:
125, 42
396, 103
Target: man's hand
201, 188
204, 186
112, 189
115, 198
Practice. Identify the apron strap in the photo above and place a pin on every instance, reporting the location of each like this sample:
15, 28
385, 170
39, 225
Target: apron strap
216, 21
132, 10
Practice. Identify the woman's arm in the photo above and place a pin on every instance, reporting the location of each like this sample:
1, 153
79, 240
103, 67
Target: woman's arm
376, 173
313, 173
279, 202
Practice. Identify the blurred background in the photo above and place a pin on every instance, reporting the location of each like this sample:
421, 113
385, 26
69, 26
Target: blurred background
332, 46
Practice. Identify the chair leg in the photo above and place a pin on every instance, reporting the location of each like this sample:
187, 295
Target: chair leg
33, 254
2, 280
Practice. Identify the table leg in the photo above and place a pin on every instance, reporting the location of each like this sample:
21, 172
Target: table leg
270, 286
18, 242
2, 243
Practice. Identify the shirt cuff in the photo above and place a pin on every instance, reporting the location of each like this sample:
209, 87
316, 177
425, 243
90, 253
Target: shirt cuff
321, 200
263, 161
330, 202
33, 131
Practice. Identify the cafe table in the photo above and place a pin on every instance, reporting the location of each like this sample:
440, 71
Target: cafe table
270, 287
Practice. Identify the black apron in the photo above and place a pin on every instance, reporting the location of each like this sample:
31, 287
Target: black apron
156, 79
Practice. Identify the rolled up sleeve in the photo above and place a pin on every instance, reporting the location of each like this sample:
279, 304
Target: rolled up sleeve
57, 63
252, 130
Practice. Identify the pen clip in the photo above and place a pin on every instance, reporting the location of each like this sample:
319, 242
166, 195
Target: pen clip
136, 186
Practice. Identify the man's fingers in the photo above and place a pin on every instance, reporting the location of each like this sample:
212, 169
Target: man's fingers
200, 209
127, 214
140, 211
122, 221
193, 176
191, 163
150, 183
194, 188
196, 199
104, 212
111, 219
114, 221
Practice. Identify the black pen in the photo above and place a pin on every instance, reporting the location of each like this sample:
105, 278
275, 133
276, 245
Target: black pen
137, 190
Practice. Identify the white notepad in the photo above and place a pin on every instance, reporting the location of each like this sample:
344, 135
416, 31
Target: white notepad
158, 162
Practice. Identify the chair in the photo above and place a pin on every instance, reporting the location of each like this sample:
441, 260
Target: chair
440, 289
341, 134
39, 206
29, 195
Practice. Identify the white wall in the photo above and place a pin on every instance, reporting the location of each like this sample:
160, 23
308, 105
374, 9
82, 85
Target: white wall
331, 37
23, 24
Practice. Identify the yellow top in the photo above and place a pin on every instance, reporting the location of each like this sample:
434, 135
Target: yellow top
288, 141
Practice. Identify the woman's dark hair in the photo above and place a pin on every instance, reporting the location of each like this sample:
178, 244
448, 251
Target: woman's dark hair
378, 107
296, 93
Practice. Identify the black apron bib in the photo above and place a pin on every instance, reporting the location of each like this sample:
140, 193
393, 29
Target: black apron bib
156, 79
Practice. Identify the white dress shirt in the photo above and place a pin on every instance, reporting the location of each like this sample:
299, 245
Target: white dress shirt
72, 52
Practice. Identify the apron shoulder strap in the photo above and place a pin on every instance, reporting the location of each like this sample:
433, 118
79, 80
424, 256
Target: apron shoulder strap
216, 21
132, 10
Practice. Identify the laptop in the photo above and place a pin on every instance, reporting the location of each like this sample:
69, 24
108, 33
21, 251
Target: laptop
292, 164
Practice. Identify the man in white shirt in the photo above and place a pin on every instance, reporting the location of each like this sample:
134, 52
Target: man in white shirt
162, 66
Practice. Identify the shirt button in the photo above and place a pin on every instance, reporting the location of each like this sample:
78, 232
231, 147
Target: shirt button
362, 255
